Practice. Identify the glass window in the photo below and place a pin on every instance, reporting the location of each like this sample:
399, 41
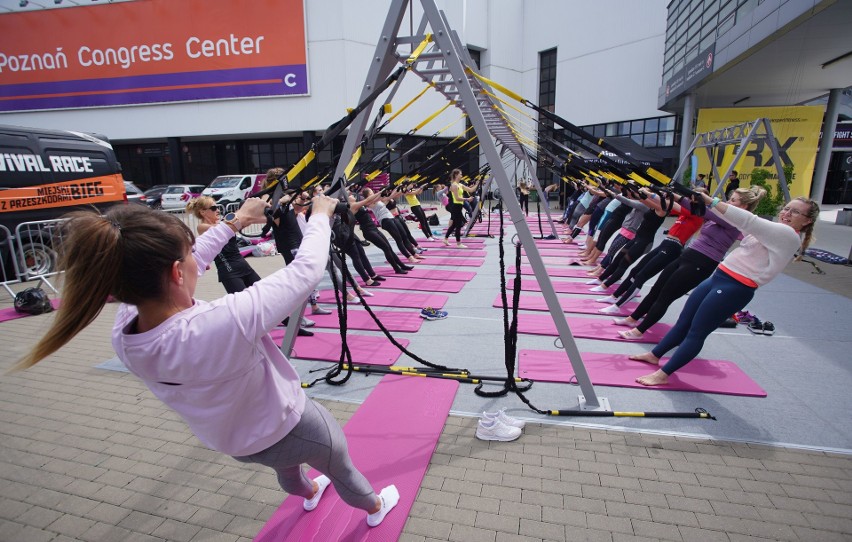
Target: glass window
666, 123
637, 138
649, 140
611, 129
624, 128
726, 24
637, 127
665, 139
599, 130
651, 125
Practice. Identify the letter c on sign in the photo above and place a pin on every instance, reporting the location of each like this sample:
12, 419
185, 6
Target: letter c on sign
290, 80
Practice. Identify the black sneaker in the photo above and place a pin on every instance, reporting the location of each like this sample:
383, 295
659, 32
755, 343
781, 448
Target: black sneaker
305, 333
756, 327
379, 278
768, 328
365, 243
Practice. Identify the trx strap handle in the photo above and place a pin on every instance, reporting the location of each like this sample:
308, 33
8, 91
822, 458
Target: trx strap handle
699, 413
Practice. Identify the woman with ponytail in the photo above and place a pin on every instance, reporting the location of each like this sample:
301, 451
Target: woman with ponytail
764, 252
213, 363
233, 270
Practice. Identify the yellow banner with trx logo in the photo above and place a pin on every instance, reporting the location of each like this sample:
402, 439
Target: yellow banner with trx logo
796, 129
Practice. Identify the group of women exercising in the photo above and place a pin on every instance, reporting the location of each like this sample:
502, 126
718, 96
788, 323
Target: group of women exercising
215, 364
722, 283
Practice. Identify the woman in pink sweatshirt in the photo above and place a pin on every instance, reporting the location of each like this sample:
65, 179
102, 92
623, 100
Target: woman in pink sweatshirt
214, 363
764, 252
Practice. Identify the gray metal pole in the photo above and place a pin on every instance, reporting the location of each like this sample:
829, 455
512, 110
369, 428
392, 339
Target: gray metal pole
686, 127
825, 145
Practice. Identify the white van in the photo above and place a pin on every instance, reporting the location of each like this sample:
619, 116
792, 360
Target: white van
227, 189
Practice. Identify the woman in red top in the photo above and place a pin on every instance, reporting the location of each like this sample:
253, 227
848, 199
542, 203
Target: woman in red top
655, 261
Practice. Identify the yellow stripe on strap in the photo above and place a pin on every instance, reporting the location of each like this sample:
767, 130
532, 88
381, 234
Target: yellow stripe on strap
639, 179
432, 116
420, 48
349, 167
662, 177
422, 92
498, 86
300, 165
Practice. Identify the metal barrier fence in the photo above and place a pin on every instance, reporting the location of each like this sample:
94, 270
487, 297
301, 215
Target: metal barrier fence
8, 264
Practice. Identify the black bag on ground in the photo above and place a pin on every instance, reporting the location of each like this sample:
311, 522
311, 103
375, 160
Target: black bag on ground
433, 220
32, 301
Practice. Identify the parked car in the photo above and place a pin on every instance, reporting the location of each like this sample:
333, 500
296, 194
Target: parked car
134, 193
154, 194
176, 196
227, 189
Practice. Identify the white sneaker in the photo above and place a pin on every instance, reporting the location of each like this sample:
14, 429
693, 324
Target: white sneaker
599, 288
389, 497
504, 418
622, 322
593, 282
494, 429
306, 322
323, 482
612, 309
610, 300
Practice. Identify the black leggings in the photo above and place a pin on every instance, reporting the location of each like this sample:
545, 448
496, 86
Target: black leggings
238, 284
391, 226
456, 221
614, 250
631, 252
406, 231
376, 237
678, 278
524, 200
652, 263
356, 253
418, 213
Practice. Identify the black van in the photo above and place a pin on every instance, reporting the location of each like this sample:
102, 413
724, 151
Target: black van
44, 174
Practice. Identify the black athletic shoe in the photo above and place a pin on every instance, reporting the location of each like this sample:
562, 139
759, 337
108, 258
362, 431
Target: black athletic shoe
768, 328
408, 267
756, 326
305, 333
379, 278
365, 243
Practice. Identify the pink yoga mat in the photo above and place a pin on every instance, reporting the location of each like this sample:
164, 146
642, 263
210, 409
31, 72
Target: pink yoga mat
402, 300
454, 252
564, 261
437, 243
702, 375
403, 282
11, 314
564, 287
326, 347
558, 252
358, 318
582, 305
391, 439
586, 328
564, 272
450, 261
435, 274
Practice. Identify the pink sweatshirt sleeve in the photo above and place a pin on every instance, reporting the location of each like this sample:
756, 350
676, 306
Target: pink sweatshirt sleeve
209, 244
258, 309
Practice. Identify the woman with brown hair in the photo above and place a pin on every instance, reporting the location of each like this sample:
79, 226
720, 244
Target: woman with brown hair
214, 363
234, 271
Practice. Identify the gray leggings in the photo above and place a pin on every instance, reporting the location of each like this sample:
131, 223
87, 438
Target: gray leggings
318, 441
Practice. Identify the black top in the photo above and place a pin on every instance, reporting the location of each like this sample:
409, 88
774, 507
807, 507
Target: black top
230, 263
651, 222
287, 234
364, 219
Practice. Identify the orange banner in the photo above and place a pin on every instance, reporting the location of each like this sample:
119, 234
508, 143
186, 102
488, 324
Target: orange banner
108, 188
152, 50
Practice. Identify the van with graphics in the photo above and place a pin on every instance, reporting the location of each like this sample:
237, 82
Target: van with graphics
227, 189
45, 174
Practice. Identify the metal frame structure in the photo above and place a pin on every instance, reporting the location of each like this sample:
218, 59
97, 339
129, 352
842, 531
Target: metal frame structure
444, 66
740, 135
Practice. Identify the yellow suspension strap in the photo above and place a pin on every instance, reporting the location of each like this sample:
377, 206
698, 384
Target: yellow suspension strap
647, 172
